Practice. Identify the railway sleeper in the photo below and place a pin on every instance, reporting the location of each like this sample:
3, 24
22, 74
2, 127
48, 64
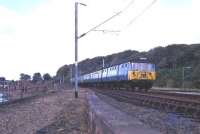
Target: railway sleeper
196, 114
191, 111
182, 108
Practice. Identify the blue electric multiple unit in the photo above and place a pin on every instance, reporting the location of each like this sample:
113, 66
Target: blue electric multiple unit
129, 74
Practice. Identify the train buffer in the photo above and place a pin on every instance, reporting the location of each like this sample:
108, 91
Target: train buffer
105, 119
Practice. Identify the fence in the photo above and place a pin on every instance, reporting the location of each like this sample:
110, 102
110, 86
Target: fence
16, 91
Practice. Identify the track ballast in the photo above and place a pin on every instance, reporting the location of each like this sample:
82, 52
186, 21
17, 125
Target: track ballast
183, 104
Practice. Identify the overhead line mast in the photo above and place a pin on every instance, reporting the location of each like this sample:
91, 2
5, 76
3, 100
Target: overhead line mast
93, 29
78, 37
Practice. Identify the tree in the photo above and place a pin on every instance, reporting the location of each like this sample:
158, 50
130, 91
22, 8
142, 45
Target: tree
196, 77
37, 77
2, 81
47, 77
25, 77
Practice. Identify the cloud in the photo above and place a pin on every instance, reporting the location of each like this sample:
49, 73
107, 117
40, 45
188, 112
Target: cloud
40, 41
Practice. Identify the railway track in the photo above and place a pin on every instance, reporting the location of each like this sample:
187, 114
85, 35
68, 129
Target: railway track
182, 104
180, 94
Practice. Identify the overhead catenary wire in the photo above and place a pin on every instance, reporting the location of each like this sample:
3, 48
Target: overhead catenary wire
118, 13
142, 12
104, 31
108, 31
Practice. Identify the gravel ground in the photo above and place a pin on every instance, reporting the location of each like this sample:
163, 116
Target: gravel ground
73, 119
167, 123
37, 114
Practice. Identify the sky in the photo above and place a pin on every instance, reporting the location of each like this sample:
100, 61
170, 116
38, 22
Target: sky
38, 35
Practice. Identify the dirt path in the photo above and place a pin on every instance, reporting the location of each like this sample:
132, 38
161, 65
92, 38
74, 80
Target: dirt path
40, 113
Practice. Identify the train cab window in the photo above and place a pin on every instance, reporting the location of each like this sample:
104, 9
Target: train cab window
133, 66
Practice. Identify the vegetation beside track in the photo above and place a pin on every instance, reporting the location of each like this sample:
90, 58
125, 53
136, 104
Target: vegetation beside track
169, 60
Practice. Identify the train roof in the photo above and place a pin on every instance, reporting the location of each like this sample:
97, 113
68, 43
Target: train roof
136, 60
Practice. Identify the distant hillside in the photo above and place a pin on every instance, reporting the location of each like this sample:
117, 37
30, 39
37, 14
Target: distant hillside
169, 61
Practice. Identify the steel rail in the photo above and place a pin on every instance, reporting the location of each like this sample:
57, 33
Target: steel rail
184, 106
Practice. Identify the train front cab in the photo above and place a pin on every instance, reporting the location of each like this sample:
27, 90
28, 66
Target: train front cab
142, 75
